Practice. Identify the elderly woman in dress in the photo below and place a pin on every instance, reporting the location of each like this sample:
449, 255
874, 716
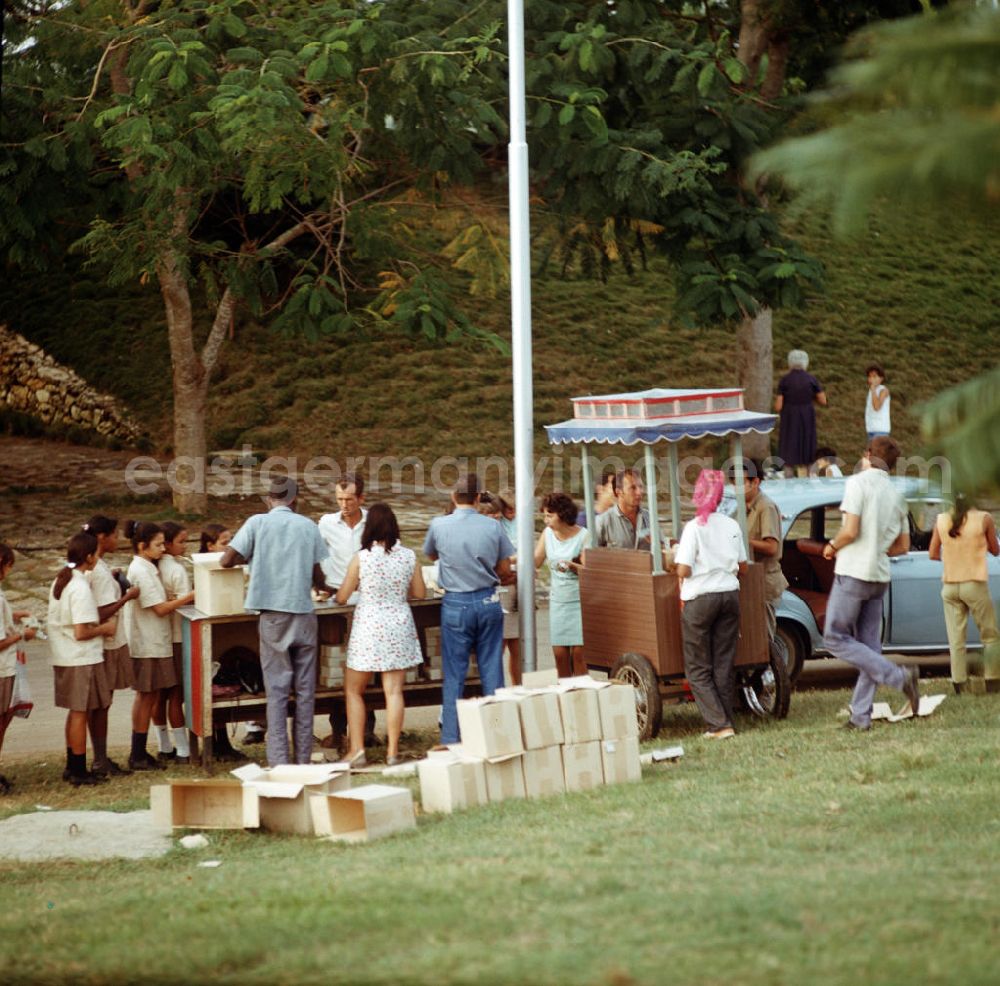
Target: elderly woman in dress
798, 393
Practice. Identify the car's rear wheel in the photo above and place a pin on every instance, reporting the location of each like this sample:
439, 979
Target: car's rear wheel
789, 641
766, 691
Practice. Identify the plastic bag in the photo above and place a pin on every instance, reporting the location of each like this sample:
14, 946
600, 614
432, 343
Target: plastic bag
20, 700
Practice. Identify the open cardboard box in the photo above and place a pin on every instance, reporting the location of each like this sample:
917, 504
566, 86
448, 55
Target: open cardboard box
284, 792
204, 804
364, 813
218, 591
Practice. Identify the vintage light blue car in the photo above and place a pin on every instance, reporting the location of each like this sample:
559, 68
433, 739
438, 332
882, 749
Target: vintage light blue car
914, 618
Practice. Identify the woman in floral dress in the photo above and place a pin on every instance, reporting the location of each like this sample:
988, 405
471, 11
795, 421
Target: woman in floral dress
383, 634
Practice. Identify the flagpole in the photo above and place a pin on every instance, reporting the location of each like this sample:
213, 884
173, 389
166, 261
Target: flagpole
520, 297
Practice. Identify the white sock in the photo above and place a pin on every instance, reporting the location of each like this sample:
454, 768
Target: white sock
181, 741
163, 736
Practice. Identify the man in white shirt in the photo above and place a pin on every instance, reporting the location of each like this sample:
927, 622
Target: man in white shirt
342, 533
875, 528
342, 530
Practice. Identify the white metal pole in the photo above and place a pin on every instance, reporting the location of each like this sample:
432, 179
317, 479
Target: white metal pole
520, 299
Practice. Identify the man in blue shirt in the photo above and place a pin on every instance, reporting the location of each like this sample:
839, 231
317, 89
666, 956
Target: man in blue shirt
285, 552
474, 554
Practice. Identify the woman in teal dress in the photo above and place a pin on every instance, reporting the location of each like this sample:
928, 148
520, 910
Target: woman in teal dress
561, 544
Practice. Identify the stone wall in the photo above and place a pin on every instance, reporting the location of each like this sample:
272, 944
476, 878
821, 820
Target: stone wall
33, 383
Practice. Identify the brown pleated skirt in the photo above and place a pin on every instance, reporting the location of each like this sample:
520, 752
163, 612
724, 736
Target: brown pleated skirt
150, 674
118, 667
82, 689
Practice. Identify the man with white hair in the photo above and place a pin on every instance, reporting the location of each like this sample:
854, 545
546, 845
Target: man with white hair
798, 393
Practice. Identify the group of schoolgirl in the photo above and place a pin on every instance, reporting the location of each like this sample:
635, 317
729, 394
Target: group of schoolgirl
108, 632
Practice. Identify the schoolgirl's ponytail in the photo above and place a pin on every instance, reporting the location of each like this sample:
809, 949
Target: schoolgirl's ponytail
81, 546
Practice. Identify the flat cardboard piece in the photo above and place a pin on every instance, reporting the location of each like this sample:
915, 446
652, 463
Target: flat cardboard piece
490, 726
616, 704
582, 766
543, 772
284, 792
504, 778
450, 782
928, 703
620, 760
539, 679
364, 813
204, 804
541, 720
581, 717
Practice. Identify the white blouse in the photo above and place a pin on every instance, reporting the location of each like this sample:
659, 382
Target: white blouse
148, 634
74, 606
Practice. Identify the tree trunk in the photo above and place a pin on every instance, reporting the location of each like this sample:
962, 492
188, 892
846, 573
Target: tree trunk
190, 387
753, 38
755, 370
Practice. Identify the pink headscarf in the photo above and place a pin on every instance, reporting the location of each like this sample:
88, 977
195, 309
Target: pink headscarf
707, 493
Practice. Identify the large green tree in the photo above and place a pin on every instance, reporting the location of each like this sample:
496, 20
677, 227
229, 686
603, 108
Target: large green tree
244, 147
238, 154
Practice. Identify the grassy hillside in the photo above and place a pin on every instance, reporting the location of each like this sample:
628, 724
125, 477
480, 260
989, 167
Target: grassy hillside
917, 293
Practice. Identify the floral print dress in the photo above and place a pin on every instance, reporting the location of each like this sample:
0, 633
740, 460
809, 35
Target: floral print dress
383, 634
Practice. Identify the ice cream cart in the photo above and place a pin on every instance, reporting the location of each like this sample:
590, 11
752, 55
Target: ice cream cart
630, 602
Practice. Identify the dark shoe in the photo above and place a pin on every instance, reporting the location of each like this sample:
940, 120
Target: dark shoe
167, 757
145, 763
959, 686
229, 756
5, 785
66, 774
372, 740
88, 779
108, 768
911, 687
853, 726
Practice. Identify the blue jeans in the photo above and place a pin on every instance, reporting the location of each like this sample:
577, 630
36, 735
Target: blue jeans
854, 634
469, 620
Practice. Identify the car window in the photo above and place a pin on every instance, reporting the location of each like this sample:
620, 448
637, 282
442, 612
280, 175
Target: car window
923, 516
832, 521
801, 526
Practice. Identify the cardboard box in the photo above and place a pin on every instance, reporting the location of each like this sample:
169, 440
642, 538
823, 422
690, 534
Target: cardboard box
541, 720
543, 772
620, 759
204, 804
504, 778
284, 792
450, 781
490, 727
581, 716
616, 702
218, 591
364, 813
582, 766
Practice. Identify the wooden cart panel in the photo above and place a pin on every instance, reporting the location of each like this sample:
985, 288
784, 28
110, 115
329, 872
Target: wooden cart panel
627, 608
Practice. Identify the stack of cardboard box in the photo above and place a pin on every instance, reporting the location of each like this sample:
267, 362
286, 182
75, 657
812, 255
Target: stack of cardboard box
533, 742
332, 660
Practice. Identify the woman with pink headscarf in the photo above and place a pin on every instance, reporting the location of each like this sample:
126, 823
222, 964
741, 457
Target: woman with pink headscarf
709, 557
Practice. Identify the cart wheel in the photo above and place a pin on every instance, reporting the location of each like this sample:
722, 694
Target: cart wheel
789, 639
767, 691
636, 671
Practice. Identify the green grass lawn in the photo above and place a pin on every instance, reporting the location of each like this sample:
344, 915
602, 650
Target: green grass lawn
796, 853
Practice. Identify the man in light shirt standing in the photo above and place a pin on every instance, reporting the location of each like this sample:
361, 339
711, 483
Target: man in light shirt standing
342, 533
874, 529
